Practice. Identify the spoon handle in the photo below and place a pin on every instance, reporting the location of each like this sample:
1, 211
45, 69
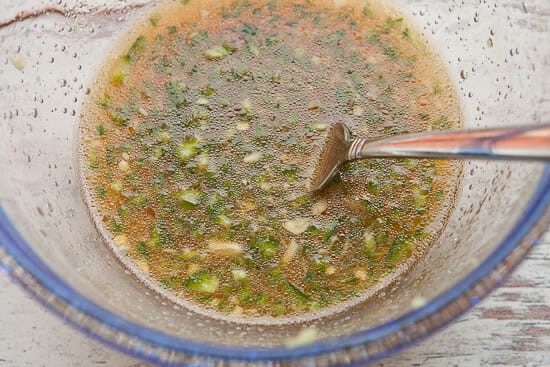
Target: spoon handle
530, 142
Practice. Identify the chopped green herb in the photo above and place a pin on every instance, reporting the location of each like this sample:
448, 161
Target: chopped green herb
121, 116
101, 130
154, 19
292, 171
382, 238
400, 248
337, 36
390, 24
407, 34
329, 232
101, 191
105, 102
177, 94
249, 29
117, 226
391, 52
139, 200
138, 45
300, 297
143, 249
442, 123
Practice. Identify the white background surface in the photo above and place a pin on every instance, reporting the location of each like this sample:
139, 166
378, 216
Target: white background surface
509, 328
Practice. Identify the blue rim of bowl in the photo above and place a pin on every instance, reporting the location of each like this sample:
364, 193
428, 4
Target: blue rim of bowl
24, 256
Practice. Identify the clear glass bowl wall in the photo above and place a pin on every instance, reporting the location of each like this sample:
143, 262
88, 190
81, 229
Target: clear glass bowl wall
497, 54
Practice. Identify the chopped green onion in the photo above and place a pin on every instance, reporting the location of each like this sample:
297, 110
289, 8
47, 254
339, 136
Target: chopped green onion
267, 246
202, 281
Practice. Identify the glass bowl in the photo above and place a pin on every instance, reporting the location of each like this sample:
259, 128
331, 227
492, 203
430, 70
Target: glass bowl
497, 54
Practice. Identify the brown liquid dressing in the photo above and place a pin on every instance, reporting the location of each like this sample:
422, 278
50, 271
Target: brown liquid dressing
199, 141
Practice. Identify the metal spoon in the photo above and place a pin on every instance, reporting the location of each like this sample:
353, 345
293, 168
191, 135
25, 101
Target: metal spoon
528, 143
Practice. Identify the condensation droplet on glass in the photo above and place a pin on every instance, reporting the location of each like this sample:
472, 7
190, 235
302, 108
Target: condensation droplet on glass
34, 113
463, 74
422, 12
490, 42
